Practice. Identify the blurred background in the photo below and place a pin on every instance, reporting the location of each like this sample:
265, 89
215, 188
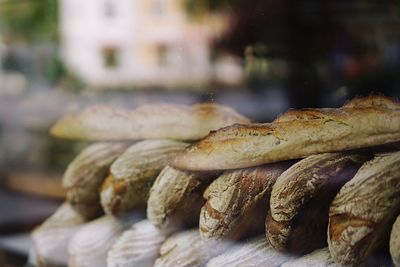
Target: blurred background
260, 57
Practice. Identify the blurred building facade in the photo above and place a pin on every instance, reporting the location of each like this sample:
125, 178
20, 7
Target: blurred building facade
117, 43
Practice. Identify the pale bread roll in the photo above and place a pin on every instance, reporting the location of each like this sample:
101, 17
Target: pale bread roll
363, 211
85, 174
395, 242
318, 258
133, 174
176, 198
237, 202
296, 134
255, 252
152, 121
300, 200
51, 238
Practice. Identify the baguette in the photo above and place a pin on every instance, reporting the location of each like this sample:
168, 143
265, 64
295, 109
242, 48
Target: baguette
137, 246
255, 252
364, 209
176, 198
317, 258
235, 197
133, 174
300, 200
153, 121
89, 246
296, 134
51, 238
85, 174
395, 242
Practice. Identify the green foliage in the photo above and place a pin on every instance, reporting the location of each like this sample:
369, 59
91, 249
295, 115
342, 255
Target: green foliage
29, 20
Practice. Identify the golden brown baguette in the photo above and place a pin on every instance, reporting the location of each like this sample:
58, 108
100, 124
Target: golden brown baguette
296, 134
176, 198
363, 211
237, 200
133, 174
255, 252
395, 242
152, 121
137, 246
51, 238
300, 200
85, 174
317, 258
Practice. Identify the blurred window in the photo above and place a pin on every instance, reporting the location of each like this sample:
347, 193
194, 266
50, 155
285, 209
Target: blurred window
109, 9
110, 57
158, 7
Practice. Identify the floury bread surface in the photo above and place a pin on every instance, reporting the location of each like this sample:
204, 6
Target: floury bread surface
300, 200
237, 200
395, 242
134, 172
153, 121
85, 174
362, 213
176, 198
317, 258
365, 122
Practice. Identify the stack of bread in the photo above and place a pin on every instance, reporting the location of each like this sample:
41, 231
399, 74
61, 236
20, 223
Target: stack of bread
316, 187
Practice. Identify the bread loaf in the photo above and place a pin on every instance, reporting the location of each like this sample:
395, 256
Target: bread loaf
317, 258
176, 198
255, 252
300, 200
237, 200
51, 238
85, 174
153, 121
363, 211
395, 242
187, 249
296, 134
137, 246
89, 246
134, 172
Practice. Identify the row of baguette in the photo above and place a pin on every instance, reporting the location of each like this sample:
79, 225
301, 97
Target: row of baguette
295, 195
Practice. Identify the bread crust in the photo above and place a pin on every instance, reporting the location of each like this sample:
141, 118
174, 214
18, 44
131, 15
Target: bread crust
364, 209
395, 242
133, 173
152, 121
301, 197
295, 134
236, 196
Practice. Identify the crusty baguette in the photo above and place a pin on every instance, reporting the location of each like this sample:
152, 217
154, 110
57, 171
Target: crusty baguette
318, 258
255, 252
152, 121
176, 198
395, 242
363, 211
89, 246
296, 134
133, 174
300, 200
237, 200
137, 246
187, 249
85, 174
51, 238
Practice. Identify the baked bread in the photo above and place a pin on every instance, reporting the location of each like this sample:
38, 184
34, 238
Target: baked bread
296, 134
395, 242
187, 249
318, 258
137, 246
152, 121
51, 238
300, 200
85, 174
133, 174
176, 198
364, 210
255, 252
89, 246
234, 198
